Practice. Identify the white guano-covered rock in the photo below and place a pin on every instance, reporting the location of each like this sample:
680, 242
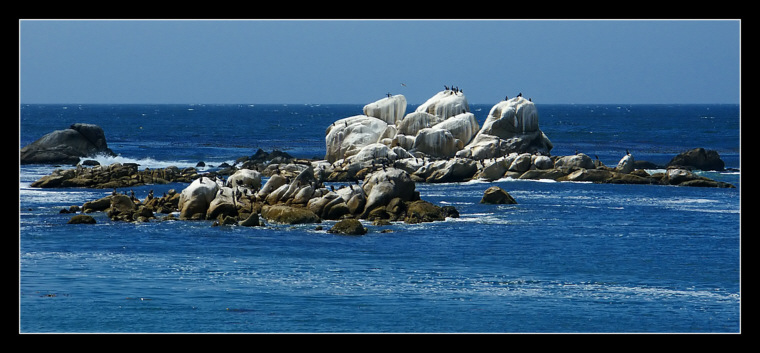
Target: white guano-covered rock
445, 104
390, 109
511, 126
463, 126
197, 197
372, 152
348, 136
436, 143
416, 121
510, 117
625, 165
483, 146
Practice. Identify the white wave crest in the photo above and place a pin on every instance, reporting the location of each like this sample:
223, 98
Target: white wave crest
143, 163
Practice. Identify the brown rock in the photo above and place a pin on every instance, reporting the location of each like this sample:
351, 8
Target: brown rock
497, 195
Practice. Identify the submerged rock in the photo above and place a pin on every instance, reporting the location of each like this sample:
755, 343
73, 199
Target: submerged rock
81, 219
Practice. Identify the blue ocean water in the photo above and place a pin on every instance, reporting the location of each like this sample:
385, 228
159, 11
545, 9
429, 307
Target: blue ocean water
569, 257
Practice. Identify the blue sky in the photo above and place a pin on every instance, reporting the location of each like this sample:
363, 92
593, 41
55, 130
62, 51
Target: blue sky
359, 61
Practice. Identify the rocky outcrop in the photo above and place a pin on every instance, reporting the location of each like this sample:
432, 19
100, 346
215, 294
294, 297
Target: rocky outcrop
698, 158
390, 110
113, 176
195, 200
346, 137
445, 104
67, 146
385, 193
422, 211
511, 127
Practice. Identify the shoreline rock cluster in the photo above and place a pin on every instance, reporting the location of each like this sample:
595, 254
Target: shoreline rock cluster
378, 156
442, 142
385, 196
114, 176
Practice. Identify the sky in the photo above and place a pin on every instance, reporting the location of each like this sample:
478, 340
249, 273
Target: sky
361, 61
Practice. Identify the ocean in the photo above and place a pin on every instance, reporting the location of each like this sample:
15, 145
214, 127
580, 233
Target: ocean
569, 257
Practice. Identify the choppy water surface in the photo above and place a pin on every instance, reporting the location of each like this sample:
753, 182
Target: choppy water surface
569, 257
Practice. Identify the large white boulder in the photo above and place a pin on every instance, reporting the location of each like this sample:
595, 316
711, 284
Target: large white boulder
372, 152
625, 165
247, 178
403, 141
197, 197
436, 143
445, 104
348, 136
510, 117
483, 146
390, 109
416, 121
511, 126
463, 126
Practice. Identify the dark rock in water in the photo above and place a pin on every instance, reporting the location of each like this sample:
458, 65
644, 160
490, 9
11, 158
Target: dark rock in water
348, 227
423, 211
82, 219
497, 195
449, 212
90, 163
116, 175
698, 158
251, 221
262, 156
66, 146
200, 164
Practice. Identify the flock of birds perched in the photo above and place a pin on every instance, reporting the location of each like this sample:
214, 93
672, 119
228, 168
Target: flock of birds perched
455, 89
